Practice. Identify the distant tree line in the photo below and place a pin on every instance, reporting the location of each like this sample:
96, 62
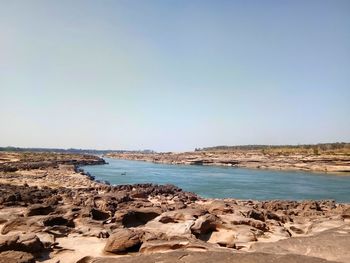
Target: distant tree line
70, 150
319, 146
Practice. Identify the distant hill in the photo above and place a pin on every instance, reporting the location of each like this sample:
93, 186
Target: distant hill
70, 150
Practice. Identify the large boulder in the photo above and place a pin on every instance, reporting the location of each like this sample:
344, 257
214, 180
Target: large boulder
205, 224
223, 237
181, 228
27, 243
47, 239
123, 240
30, 243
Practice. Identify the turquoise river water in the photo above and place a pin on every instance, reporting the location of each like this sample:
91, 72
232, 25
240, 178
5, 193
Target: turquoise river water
227, 182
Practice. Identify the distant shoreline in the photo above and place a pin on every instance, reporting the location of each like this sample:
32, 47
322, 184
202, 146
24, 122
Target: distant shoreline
326, 163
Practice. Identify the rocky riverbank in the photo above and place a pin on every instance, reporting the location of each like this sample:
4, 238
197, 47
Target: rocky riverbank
329, 162
50, 211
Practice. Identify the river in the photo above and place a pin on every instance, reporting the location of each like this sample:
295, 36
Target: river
228, 182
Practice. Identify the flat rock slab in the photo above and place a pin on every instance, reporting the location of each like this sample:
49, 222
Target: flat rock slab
208, 257
332, 244
16, 257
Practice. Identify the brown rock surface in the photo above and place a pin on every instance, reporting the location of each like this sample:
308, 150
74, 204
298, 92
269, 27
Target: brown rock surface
28, 243
16, 257
8, 242
138, 217
333, 244
208, 257
39, 209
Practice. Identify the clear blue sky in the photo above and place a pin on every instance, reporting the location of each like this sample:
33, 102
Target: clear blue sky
173, 75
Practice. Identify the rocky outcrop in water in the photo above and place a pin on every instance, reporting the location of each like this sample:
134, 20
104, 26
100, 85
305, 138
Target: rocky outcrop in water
45, 160
248, 159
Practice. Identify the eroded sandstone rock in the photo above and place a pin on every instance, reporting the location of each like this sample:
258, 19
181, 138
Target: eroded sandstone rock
16, 257
123, 240
28, 243
8, 242
138, 217
39, 209
57, 221
99, 215
205, 224
158, 245
20, 224
208, 257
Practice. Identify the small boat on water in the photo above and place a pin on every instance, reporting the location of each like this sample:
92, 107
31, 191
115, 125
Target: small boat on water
123, 173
